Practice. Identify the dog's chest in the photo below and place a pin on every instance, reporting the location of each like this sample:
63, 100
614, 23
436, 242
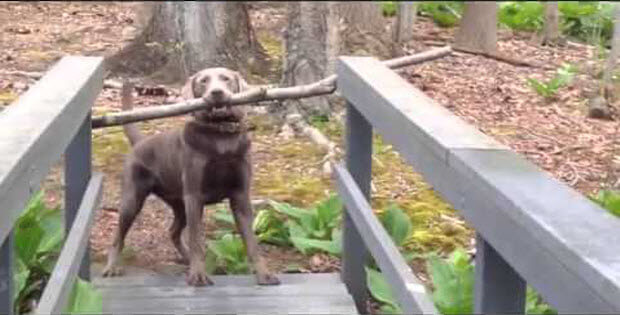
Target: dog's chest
224, 176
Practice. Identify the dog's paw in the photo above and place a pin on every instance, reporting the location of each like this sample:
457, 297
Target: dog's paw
267, 279
181, 260
113, 271
198, 279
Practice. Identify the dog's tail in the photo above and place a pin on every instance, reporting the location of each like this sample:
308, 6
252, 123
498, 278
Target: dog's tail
131, 130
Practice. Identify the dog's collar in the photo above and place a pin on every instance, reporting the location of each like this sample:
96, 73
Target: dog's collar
223, 126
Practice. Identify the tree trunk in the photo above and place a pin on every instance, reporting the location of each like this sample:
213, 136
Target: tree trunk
599, 105
478, 29
405, 18
551, 30
181, 38
317, 32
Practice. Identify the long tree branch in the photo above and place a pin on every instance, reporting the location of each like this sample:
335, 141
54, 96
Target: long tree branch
255, 95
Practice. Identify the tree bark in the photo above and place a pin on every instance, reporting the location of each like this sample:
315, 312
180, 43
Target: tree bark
405, 18
551, 30
478, 29
317, 32
181, 38
599, 105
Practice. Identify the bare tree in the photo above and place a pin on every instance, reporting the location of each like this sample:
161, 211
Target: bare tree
599, 105
478, 29
316, 33
180, 38
551, 30
405, 18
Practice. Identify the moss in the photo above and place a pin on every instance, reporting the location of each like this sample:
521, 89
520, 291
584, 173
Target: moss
273, 48
109, 146
7, 97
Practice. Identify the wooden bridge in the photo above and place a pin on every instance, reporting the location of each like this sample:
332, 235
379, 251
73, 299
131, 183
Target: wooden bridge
531, 228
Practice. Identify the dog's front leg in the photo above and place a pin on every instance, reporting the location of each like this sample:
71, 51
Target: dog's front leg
242, 210
193, 210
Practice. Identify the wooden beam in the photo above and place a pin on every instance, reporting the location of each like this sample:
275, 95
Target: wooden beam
36, 129
560, 242
406, 287
60, 284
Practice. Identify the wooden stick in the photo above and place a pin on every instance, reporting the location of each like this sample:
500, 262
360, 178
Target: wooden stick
254, 95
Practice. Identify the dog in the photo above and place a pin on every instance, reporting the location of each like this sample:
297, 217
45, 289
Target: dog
205, 162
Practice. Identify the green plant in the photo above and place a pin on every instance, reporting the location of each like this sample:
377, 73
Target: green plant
443, 13
398, 225
380, 290
608, 199
269, 228
316, 228
453, 280
563, 76
388, 8
84, 299
590, 22
38, 238
521, 15
226, 254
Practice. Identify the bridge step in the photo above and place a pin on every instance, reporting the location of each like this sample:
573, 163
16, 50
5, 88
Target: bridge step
231, 294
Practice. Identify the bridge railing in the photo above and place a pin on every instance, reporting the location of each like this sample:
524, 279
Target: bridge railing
531, 228
51, 118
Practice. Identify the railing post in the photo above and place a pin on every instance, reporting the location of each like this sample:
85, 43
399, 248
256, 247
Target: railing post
77, 175
358, 161
6, 276
498, 287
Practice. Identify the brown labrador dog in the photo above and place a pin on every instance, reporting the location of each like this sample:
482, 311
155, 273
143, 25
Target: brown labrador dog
205, 162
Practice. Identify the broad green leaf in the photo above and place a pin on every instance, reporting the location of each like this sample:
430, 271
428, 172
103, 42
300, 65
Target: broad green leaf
453, 281
380, 289
397, 224
329, 210
84, 299
28, 236
52, 225
305, 245
224, 215
295, 230
289, 210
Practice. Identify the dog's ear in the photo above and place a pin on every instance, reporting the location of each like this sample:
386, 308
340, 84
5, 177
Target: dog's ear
242, 85
187, 92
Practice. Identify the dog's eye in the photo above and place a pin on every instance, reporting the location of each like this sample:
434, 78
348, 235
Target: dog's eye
204, 80
223, 78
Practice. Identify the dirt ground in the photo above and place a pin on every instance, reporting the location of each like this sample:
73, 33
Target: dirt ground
556, 135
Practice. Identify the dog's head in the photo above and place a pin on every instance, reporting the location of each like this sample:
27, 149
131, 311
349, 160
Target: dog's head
216, 85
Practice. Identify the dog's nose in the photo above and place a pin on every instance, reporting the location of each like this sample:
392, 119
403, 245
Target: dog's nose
217, 93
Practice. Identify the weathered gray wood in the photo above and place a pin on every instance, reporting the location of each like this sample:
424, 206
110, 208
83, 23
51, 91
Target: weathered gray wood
359, 162
298, 293
561, 243
6, 276
36, 129
163, 280
410, 293
77, 175
234, 305
65, 272
498, 287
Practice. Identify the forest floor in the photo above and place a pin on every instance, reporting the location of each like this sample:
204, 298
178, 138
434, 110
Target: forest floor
554, 134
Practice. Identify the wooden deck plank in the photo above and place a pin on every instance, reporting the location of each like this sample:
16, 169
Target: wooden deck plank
231, 294
235, 305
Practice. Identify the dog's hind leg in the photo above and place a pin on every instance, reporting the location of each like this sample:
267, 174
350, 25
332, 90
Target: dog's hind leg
242, 211
176, 229
133, 196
